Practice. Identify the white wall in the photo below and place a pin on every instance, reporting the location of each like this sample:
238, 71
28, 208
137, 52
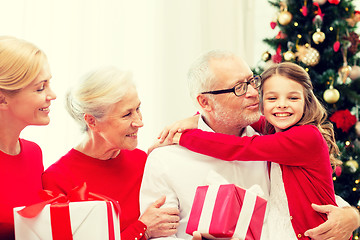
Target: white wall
156, 39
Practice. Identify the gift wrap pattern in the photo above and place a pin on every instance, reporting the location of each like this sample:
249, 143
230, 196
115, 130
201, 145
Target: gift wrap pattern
225, 211
90, 220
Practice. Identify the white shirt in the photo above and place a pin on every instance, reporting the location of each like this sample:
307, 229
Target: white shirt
176, 172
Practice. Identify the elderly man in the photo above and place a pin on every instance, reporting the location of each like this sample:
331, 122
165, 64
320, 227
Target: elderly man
176, 172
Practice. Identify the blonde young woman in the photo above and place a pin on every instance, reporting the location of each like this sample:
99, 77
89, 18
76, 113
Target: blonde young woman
25, 98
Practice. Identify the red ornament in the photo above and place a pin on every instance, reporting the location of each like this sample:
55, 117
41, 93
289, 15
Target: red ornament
319, 12
336, 46
343, 120
304, 11
338, 171
280, 35
273, 24
336, 2
277, 57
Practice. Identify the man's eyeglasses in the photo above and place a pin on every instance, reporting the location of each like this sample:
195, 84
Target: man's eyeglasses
240, 88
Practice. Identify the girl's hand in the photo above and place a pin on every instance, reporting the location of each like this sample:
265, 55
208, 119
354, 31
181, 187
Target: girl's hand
174, 140
160, 222
169, 132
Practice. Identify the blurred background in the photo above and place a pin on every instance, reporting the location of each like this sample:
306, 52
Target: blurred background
156, 39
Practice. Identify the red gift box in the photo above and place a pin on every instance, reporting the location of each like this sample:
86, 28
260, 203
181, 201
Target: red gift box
225, 211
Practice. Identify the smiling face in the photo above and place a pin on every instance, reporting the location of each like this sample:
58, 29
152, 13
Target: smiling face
283, 102
232, 113
30, 105
119, 128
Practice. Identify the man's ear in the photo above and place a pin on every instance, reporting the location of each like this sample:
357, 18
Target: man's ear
204, 102
90, 121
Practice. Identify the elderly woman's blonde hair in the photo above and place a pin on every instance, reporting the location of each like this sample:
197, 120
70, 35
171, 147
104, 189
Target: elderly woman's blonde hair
97, 92
20, 63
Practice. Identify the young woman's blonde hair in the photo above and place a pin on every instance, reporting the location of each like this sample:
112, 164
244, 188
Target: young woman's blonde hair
20, 63
314, 112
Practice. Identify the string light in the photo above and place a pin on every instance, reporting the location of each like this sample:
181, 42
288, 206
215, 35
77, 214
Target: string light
299, 36
357, 181
354, 189
347, 143
334, 178
296, 24
331, 29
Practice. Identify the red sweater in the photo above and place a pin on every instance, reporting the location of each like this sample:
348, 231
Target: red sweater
20, 181
302, 153
118, 178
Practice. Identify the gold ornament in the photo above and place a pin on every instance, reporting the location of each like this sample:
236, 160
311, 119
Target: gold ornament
266, 56
331, 95
355, 72
318, 36
320, 2
344, 72
308, 55
289, 56
352, 164
285, 17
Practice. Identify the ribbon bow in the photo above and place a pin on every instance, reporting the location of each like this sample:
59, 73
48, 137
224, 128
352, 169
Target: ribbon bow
77, 194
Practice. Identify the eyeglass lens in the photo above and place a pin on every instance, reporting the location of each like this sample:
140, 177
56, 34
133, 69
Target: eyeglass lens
242, 87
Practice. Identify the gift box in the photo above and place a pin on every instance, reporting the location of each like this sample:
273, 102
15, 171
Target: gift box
226, 211
70, 217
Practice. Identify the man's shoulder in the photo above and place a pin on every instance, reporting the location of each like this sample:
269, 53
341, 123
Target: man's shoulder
171, 150
174, 154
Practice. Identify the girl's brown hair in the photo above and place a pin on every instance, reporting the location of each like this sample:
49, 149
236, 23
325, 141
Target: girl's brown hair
314, 112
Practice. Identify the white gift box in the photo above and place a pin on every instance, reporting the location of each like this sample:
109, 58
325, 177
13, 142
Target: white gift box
90, 220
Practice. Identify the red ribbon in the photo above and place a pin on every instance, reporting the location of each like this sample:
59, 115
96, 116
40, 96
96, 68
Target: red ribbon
59, 210
319, 11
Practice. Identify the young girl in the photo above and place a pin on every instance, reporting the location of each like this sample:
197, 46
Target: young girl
25, 98
302, 150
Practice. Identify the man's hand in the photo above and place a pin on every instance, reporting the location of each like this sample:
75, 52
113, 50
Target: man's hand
197, 236
340, 224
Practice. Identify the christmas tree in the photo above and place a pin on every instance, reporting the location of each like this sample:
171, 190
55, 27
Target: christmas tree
320, 36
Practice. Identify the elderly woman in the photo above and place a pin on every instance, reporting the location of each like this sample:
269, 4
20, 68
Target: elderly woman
107, 106
25, 98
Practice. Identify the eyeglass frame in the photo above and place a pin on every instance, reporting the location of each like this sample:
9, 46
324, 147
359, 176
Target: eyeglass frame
232, 90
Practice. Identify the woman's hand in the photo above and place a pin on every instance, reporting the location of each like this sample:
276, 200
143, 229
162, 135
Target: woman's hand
160, 222
169, 132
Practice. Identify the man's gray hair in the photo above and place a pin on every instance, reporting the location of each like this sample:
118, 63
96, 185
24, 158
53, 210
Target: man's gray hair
200, 76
